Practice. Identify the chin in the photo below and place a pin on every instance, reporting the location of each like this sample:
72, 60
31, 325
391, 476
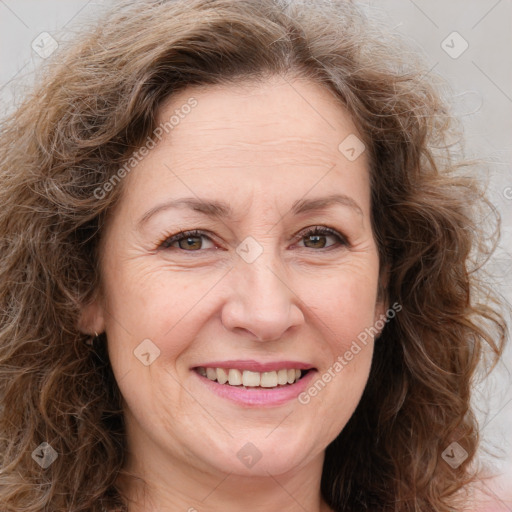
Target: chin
261, 454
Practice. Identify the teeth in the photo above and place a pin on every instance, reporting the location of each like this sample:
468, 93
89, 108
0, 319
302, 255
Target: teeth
282, 377
235, 377
249, 379
268, 380
222, 376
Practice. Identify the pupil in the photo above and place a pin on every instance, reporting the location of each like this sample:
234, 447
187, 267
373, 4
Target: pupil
315, 239
190, 241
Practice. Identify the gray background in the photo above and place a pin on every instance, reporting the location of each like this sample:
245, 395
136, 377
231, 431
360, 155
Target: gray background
481, 81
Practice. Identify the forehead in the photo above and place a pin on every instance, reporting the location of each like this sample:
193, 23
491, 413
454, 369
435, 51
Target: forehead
268, 114
279, 137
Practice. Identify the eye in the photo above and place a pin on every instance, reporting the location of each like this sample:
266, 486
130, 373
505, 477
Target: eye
317, 235
192, 241
186, 240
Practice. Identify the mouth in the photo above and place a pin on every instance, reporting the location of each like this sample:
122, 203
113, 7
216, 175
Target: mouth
252, 384
248, 379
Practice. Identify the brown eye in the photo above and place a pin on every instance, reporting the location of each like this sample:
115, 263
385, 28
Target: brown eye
190, 241
316, 238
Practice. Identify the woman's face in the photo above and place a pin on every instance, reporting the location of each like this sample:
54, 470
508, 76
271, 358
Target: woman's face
256, 294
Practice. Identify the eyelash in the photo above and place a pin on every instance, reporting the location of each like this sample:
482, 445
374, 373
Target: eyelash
312, 231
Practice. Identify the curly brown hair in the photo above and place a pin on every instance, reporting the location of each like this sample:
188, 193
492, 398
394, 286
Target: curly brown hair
96, 103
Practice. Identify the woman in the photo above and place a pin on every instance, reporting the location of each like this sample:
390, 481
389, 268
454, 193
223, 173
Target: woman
237, 269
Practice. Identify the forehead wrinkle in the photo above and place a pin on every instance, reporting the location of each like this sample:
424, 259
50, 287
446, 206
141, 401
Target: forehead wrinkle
320, 154
272, 141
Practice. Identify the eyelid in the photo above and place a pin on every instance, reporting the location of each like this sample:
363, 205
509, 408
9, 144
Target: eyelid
172, 238
324, 231
167, 240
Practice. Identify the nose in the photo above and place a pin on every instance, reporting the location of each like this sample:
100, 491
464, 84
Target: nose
261, 303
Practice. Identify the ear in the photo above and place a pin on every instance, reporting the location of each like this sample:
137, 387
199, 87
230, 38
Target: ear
92, 318
382, 302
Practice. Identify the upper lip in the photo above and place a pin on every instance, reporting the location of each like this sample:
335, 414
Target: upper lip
256, 366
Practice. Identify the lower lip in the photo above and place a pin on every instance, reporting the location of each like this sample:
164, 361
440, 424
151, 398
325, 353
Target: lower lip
259, 397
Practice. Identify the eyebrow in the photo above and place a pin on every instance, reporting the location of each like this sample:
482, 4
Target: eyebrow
222, 210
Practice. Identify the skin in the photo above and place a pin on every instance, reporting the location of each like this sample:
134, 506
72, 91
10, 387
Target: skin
260, 147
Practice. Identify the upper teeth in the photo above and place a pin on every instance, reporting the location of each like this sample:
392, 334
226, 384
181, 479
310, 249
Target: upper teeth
251, 379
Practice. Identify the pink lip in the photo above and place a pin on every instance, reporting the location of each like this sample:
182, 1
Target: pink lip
258, 397
255, 366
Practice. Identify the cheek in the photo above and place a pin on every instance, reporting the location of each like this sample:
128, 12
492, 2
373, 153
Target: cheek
157, 304
343, 303
148, 300
346, 321
344, 308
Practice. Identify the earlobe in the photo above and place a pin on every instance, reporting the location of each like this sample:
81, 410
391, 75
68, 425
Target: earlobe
92, 319
380, 318
382, 305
